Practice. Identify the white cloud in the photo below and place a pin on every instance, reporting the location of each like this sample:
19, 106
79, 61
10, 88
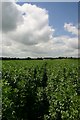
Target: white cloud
26, 32
0, 44
34, 27
71, 28
11, 16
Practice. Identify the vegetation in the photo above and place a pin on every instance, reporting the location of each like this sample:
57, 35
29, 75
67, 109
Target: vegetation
41, 89
0, 89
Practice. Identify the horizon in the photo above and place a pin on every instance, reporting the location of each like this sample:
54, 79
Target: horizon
36, 57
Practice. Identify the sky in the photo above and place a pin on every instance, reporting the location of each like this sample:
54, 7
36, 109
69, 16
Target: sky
59, 13
40, 29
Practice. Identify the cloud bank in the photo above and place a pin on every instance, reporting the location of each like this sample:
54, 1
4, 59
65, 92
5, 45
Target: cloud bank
27, 33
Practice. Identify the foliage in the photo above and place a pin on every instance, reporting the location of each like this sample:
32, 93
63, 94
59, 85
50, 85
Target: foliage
40, 90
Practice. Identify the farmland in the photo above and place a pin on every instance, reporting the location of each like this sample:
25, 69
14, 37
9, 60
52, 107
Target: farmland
40, 89
0, 89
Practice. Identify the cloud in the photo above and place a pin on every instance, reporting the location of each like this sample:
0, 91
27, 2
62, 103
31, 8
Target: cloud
71, 28
34, 27
0, 44
26, 32
11, 16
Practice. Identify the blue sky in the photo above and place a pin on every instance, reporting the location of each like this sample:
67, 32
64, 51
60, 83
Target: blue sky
52, 31
59, 13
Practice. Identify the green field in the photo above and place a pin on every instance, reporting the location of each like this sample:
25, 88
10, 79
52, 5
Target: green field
40, 89
0, 90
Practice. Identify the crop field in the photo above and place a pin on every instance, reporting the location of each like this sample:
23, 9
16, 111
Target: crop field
0, 90
40, 89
